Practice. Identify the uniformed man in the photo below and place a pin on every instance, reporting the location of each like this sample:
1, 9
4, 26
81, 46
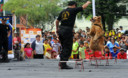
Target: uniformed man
65, 30
4, 34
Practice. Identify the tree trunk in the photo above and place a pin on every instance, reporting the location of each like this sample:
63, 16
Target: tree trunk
110, 22
103, 22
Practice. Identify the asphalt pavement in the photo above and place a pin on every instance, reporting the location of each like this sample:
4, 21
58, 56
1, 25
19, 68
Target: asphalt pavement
43, 68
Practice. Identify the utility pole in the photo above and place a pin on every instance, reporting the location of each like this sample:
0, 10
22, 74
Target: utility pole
3, 9
94, 8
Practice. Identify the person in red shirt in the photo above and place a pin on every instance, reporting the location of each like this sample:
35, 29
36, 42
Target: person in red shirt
108, 55
28, 52
16, 39
87, 51
122, 54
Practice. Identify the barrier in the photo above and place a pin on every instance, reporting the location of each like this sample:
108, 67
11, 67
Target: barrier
76, 63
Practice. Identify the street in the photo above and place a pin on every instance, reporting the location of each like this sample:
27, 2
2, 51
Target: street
43, 68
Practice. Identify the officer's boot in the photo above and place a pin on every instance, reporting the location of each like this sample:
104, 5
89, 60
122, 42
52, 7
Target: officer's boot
63, 65
5, 57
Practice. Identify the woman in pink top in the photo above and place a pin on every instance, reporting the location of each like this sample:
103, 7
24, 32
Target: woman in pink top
28, 53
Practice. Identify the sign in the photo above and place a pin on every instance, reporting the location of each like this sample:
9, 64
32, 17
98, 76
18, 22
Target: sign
28, 35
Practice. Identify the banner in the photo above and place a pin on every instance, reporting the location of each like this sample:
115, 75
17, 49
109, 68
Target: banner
28, 35
1, 7
1, 1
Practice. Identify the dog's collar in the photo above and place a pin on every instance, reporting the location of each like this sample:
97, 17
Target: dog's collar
98, 26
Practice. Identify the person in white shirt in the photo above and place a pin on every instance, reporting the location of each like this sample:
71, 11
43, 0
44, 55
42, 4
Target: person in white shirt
121, 30
38, 48
56, 46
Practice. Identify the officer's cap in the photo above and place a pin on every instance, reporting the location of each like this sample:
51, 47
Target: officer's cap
4, 19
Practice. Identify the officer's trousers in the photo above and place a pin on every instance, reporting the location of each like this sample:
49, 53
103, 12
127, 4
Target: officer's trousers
4, 45
66, 39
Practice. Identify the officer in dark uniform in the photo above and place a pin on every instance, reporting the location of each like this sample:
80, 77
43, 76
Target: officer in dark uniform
65, 30
4, 34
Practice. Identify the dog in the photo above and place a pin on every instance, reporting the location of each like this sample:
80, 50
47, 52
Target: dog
97, 35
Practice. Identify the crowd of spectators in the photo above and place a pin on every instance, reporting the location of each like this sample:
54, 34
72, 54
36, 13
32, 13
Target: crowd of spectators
49, 47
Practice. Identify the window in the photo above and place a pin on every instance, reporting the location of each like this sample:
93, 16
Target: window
18, 20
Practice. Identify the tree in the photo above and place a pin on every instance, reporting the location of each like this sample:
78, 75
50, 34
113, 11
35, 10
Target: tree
107, 9
36, 12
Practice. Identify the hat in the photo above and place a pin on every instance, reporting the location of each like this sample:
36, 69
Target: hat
49, 49
122, 49
4, 19
53, 51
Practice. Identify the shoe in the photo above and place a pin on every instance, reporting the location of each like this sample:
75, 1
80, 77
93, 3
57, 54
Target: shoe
1, 61
66, 67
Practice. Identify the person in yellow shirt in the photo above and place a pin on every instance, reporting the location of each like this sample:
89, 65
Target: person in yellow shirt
119, 34
106, 34
46, 46
112, 33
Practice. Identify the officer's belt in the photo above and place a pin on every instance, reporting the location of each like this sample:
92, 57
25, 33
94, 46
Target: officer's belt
65, 27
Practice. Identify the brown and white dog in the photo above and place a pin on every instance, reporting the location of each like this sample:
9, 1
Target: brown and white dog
96, 33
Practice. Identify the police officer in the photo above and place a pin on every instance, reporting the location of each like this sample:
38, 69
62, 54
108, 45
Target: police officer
65, 30
4, 34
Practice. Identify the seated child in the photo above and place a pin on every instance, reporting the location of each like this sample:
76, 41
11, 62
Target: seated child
56, 46
107, 53
122, 54
114, 53
54, 54
48, 53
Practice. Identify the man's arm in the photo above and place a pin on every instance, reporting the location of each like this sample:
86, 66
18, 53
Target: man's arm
57, 25
86, 4
9, 32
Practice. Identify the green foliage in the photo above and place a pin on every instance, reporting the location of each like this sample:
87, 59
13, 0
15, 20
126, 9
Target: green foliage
107, 9
38, 12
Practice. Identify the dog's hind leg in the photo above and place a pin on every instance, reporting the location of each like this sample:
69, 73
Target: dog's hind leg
102, 51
